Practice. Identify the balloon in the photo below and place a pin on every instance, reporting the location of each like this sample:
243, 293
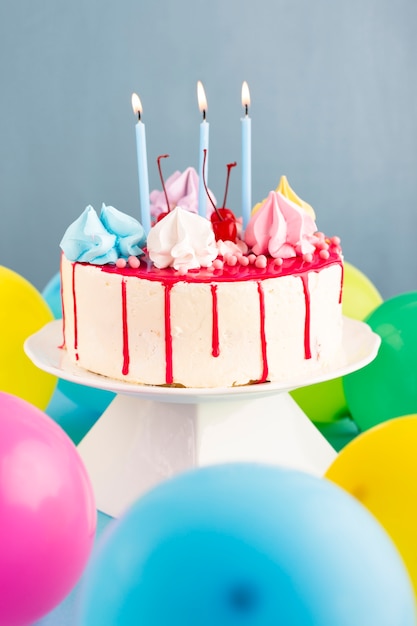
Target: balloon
96, 400
23, 311
47, 513
360, 296
379, 468
339, 433
323, 402
387, 387
52, 294
246, 544
326, 402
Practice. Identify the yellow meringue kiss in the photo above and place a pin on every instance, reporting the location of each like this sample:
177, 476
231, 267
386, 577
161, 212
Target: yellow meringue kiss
287, 191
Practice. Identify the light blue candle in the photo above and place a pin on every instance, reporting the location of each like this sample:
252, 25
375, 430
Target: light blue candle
145, 215
204, 143
246, 157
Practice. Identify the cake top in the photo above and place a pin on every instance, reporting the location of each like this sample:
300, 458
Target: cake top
281, 228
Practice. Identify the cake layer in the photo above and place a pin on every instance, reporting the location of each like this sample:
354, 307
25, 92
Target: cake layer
207, 328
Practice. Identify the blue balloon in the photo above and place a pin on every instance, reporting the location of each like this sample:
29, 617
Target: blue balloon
96, 400
245, 544
52, 294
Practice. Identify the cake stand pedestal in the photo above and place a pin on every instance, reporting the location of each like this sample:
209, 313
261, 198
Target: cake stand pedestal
149, 434
137, 443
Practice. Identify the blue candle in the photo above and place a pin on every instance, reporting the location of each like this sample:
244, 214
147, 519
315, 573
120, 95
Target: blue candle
145, 214
246, 157
204, 142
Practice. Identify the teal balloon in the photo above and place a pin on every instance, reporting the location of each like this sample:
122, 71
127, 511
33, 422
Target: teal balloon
246, 544
387, 387
52, 294
96, 400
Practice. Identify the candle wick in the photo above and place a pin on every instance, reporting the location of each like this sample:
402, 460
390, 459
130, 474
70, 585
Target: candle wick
246, 110
204, 115
139, 116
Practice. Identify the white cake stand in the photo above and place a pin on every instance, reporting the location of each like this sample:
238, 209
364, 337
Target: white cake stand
148, 434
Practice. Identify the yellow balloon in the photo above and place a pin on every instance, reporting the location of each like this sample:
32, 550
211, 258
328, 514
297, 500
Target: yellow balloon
360, 296
23, 311
379, 468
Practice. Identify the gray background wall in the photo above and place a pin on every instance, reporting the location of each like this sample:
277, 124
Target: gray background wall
334, 106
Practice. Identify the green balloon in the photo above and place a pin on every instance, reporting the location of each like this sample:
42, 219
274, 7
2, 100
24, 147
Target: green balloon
387, 387
323, 402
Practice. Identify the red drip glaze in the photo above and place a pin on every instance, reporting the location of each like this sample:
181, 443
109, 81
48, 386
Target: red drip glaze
264, 376
62, 346
126, 357
215, 346
74, 299
169, 378
293, 266
307, 346
341, 283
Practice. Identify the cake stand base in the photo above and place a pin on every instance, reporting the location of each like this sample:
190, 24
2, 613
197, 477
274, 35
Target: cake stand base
138, 442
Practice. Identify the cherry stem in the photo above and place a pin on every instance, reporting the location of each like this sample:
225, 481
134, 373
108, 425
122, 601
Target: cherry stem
163, 156
229, 167
205, 185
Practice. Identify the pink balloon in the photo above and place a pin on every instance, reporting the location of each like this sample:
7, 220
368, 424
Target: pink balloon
47, 513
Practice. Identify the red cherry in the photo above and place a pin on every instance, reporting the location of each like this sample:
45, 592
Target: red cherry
223, 221
224, 225
161, 216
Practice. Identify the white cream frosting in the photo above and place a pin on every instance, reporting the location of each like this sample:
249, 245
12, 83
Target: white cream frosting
182, 240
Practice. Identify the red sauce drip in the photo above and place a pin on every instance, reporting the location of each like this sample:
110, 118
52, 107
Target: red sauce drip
341, 283
215, 347
74, 299
169, 378
307, 346
62, 346
264, 376
126, 357
291, 267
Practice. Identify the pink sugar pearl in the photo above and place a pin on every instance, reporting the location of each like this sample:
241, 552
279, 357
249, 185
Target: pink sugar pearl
121, 263
231, 259
261, 261
218, 264
133, 262
324, 254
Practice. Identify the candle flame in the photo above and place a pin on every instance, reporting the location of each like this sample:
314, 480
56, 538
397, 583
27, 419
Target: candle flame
201, 97
136, 104
245, 95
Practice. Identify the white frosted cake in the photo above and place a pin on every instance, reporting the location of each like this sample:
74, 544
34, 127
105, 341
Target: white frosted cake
183, 308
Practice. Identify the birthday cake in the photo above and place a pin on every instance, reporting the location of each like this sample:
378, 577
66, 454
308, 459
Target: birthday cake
199, 302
